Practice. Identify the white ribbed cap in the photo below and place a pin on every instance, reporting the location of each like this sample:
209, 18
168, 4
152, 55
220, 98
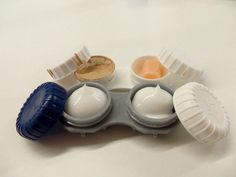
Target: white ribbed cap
69, 65
201, 113
176, 66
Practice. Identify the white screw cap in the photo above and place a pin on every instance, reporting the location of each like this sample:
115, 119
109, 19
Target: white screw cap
201, 113
176, 66
69, 65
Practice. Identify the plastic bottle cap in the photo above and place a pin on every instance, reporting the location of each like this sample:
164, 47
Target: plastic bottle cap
176, 66
70, 65
41, 111
201, 113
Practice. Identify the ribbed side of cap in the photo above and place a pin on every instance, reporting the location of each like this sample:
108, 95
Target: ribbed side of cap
201, 113
41, 111
70, 65
178, 67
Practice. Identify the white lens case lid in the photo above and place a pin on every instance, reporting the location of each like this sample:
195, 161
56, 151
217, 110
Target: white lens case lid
176, 66
70, 65
201, 113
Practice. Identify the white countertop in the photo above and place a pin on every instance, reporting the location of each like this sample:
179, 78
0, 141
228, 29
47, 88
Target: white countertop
35, 35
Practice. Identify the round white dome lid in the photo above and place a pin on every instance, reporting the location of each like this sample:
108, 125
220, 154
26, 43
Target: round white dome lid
201, 113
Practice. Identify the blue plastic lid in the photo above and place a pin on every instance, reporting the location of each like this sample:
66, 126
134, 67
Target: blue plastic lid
41, 111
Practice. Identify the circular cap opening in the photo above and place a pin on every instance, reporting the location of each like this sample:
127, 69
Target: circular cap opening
149, 68
97, 68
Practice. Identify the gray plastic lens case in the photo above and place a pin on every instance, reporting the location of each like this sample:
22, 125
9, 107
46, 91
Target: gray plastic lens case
119, 111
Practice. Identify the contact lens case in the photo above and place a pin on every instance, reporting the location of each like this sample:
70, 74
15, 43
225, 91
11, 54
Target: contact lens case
165, 68
118, 111
90, 94
195, 107
175, 73
83, 67
46, 105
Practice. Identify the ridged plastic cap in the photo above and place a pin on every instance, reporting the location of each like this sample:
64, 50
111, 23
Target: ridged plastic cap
70, 65
41, 111
176, 66
201, 113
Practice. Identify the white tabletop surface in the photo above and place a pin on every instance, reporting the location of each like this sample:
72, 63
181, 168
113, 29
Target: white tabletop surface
35, 35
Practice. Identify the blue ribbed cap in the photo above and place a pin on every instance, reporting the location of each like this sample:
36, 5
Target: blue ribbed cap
41, 111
